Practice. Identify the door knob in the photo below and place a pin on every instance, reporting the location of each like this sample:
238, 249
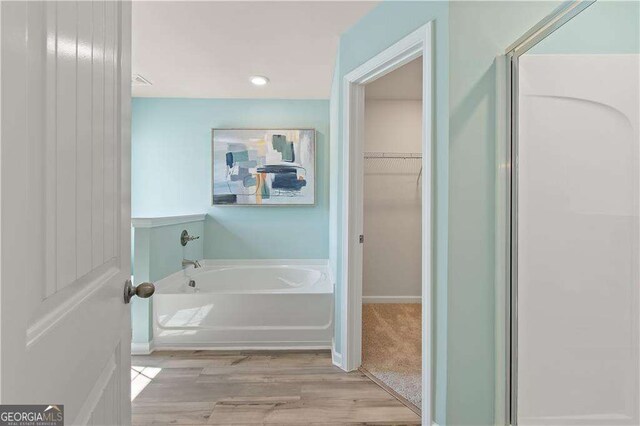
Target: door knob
143, 290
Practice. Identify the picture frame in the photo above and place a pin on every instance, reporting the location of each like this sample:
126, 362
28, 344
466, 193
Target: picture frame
263, 167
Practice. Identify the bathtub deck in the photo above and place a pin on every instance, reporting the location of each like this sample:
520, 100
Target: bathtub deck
246, 387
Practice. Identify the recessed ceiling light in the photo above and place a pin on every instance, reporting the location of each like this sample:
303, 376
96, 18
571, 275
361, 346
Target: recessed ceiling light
258, 80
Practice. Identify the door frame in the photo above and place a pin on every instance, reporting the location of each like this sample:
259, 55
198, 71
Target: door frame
507, 207
418, 43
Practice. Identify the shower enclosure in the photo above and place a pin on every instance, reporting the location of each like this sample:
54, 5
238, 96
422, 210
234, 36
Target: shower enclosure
573, 226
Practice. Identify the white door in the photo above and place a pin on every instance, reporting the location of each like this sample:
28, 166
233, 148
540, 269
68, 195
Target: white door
65, 207
578, 192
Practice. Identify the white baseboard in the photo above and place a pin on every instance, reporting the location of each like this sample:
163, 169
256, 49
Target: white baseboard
391, 299
243, 346
142, 348
336, 357
148, 348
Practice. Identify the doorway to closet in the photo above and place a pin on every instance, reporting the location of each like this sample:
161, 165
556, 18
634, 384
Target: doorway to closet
392, 251
415, 46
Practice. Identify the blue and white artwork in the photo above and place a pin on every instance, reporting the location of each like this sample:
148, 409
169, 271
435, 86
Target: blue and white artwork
263, 166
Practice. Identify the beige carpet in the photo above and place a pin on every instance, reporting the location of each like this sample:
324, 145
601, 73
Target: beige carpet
392, 346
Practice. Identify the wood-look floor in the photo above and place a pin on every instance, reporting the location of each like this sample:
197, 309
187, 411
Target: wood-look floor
212, 387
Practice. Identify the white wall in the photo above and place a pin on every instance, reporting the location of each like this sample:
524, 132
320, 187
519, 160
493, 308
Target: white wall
392, 202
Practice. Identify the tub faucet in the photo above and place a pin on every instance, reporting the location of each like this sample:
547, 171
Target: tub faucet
187, 262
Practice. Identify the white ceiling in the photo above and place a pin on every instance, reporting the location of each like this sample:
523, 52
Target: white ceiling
209, 49
405, 83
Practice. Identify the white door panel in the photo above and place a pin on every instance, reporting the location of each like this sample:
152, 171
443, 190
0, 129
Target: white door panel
578, 183
65, 207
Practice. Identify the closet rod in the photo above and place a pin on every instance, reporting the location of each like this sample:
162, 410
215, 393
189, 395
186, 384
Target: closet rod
405, 155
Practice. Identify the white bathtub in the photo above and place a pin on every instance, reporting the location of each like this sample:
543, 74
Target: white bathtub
245, 304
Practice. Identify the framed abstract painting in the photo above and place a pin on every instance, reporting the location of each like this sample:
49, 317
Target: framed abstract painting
259, 167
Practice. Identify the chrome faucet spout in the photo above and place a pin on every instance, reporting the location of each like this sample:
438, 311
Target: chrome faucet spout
187, 262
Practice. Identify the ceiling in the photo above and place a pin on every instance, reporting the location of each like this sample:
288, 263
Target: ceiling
404, 83
210, 49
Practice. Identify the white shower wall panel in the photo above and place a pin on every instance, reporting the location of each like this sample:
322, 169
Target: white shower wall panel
578, 322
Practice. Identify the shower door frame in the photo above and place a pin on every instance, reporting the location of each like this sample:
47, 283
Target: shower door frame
507, 198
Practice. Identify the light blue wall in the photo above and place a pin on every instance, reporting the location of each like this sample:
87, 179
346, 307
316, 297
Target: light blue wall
140, 308
605, 27
171, 155
479, 31
469, 36
157, 254
382, 27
